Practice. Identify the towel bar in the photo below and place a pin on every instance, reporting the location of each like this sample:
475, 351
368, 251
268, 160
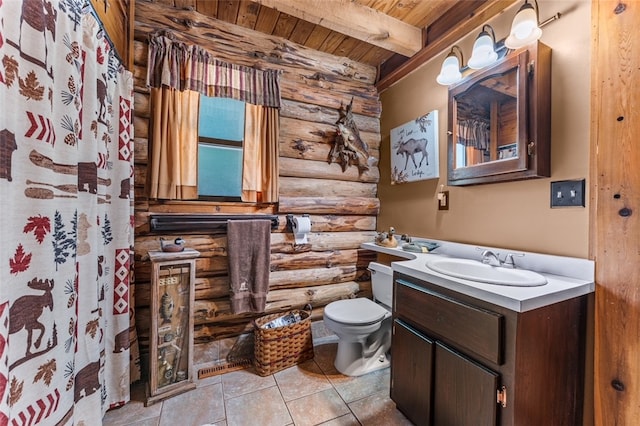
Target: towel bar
200, 222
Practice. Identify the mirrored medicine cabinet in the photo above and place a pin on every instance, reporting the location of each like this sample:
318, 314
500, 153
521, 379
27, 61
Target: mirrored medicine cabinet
499, 121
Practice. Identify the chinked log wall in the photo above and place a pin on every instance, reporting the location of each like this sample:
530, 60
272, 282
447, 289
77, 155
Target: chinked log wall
342, 205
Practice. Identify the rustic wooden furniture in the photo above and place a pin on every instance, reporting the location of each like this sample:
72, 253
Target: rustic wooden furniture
514, 98
171, 334
462, 361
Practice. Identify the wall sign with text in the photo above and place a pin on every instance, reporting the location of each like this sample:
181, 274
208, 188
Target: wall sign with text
414, 150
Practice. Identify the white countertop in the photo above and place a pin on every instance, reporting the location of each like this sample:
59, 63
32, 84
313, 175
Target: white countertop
567, 277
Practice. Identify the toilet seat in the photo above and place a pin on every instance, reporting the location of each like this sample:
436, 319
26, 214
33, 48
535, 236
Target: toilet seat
359, 311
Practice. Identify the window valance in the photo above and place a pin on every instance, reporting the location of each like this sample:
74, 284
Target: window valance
181, 66
474, 133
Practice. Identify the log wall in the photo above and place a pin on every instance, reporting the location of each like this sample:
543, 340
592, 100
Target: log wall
343, 206
117, 19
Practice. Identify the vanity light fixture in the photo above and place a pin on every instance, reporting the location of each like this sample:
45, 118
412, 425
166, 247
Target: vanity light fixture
450, 72
525, 28
484, 49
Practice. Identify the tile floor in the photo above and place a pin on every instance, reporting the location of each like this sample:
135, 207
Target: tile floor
312, 393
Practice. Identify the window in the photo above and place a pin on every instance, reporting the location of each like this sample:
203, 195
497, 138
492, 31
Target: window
220, 138
180, 176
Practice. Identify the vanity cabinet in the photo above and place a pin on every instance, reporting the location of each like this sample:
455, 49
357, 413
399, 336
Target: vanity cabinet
458, 360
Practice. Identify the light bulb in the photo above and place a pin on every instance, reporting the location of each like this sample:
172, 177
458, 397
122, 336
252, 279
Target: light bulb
483, 52
450, 71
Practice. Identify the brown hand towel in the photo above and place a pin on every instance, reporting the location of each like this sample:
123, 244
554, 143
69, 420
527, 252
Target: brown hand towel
248, 250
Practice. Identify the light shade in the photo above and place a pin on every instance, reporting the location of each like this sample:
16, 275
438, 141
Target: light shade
524, 29
450, 71
484, 51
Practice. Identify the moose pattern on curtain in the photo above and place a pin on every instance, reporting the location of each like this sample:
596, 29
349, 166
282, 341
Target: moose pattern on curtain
66, 167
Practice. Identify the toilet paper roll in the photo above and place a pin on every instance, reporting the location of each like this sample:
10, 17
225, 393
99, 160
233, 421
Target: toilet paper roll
301, 227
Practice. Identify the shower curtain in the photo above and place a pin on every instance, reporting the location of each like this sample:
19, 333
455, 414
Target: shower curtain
66, 221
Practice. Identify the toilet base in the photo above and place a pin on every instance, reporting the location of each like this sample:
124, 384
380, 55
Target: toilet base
355, 358
349, 360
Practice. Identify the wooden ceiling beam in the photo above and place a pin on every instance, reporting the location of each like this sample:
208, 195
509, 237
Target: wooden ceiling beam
354, 20
459, 12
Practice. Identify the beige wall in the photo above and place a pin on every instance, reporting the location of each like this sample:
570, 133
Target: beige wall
514, 214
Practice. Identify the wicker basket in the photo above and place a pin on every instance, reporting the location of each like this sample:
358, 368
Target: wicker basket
281, 347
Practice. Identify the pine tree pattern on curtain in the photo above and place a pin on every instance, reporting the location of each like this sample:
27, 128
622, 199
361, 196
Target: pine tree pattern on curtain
66, 167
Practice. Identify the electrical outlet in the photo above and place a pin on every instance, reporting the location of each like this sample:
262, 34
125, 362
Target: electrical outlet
567, 193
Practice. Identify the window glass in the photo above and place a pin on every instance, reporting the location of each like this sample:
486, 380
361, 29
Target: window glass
220, 134
221, 118
219, 171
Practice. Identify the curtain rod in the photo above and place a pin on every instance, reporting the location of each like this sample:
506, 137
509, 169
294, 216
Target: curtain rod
202, 222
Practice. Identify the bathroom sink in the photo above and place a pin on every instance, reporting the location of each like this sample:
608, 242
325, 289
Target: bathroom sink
477, 271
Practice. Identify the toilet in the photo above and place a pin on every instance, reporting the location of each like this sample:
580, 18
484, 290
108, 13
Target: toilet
363, 326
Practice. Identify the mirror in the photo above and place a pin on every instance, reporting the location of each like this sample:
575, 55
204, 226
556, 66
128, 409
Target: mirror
497, 125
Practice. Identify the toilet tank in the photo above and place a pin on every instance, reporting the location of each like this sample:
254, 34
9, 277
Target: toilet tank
381, 283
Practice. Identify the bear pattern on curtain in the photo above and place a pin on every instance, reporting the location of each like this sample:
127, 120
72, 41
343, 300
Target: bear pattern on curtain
66, 167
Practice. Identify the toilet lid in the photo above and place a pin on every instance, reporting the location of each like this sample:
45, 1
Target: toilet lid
359, 311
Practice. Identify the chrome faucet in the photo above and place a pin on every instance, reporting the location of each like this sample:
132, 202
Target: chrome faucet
491, 258
509, 261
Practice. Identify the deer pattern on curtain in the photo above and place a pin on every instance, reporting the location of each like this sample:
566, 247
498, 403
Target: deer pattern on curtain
66, 166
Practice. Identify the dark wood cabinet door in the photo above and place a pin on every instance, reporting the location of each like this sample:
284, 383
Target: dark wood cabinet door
411, 372
464, 391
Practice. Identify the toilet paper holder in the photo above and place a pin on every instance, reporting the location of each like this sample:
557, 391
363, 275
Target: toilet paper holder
290, 221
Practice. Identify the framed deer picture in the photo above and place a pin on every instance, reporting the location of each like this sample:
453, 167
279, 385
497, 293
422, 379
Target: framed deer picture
414, 150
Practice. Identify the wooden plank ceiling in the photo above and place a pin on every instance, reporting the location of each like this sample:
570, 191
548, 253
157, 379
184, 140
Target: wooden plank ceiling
381, 33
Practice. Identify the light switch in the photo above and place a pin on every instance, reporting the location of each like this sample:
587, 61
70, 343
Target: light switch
568, 193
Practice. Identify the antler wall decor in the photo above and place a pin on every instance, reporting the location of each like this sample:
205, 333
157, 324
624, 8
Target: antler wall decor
348, 147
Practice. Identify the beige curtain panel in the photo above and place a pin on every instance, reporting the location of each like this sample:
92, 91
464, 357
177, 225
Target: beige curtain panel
260, 160
177, 74
173, 168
